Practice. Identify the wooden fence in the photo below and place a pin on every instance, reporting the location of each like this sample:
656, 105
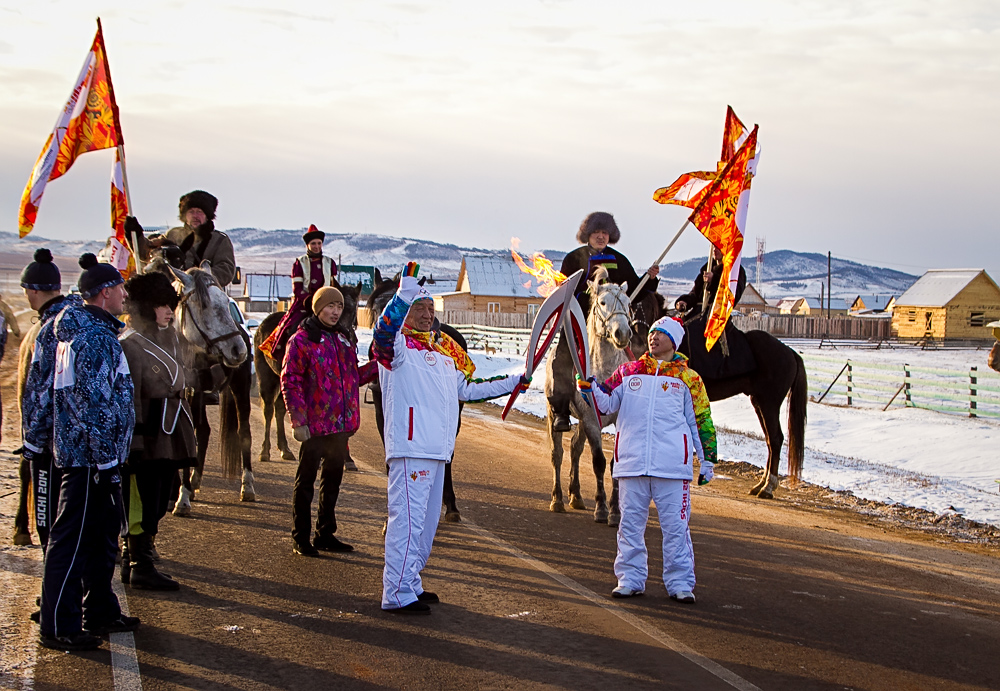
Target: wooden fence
793, 326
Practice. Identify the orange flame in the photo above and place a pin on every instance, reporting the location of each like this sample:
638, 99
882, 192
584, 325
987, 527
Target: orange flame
542, 270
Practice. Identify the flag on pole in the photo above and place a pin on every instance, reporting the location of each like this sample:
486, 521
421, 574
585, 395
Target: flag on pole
120, 257
721, 217
88, 122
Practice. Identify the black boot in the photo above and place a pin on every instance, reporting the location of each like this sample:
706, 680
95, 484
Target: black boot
144, 574
126, 563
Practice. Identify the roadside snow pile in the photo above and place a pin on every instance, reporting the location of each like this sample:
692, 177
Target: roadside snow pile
941, 463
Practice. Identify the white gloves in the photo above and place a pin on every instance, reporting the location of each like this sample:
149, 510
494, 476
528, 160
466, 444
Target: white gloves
707, 472
408, 289
301, 434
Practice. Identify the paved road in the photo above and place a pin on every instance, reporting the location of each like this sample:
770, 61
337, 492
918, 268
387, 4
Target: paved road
790, 596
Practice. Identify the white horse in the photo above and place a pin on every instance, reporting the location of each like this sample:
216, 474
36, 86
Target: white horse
609, 333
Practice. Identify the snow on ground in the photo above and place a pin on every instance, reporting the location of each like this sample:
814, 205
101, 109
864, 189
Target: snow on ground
914, 457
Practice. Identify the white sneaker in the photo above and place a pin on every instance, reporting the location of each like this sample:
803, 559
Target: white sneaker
685, 596
625, 591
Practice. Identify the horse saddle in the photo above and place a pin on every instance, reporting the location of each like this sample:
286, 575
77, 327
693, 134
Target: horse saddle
715, 364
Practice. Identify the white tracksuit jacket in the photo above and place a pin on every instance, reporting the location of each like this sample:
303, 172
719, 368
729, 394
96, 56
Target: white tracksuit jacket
657, 434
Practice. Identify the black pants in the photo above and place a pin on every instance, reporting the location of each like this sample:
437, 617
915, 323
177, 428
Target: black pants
328, 452
45, 480
80, 559
145, 493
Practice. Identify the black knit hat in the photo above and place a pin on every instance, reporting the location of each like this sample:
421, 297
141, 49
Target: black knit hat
599, 220
41, 274
146, 292
198, 200
96, 276
313, 233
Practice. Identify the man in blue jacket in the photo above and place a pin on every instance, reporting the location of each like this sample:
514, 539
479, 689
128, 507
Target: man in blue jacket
92, 417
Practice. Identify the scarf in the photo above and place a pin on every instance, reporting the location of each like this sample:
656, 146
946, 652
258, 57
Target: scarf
442, 343
654, 366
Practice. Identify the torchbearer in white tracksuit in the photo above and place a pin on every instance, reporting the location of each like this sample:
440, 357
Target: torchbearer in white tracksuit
664, 420
423, 376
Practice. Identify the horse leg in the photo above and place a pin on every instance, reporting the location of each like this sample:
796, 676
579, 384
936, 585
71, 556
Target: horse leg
247, 491
600, 464
182, 507
451, 514
202, 434
770, 422
265, 447
556, 450
22, 531
575, 451
614, 512
279, 419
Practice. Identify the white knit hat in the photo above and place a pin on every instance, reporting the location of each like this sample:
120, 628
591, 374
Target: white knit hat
670, 326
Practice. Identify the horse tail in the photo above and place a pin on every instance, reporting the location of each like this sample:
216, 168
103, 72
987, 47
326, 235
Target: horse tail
229, 424
798, 399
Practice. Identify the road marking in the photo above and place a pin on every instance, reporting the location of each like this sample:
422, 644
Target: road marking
666, 640
124, 661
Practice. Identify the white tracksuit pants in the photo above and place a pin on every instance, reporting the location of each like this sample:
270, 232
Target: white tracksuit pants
673, 504
415, 489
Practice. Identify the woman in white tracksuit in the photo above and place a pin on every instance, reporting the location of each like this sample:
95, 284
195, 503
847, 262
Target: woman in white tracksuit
423, 376
664, 421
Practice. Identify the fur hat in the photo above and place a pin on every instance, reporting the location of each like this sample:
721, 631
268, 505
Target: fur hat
198, 200
41, 274
599, 220
672, 327
324, 296
313, 233
96, 276
146, 292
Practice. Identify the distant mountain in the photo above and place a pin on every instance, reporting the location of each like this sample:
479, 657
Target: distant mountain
786, 273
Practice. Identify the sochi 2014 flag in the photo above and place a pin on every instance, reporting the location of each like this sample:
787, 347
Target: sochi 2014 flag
88, 122
721, 217
119, 255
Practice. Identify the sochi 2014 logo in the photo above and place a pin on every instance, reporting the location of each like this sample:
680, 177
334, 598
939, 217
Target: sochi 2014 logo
430, 359
635, 383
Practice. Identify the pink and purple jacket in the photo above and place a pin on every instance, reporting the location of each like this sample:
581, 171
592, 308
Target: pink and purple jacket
320, 379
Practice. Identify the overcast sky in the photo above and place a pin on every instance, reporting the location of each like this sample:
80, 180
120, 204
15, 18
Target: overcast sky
471, 122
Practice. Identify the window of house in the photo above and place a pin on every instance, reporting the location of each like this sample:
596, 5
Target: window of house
493, 307
532, 312
977, 319
912, 315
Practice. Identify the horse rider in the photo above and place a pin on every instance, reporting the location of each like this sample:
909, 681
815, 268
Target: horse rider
91, 423
729, 358
596, 233
310, 272
163, 440
423, 376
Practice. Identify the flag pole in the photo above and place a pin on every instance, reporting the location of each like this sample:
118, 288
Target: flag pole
645, 276
128, 202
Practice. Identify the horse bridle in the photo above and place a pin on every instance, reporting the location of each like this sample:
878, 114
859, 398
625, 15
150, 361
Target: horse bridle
621, 307
209, 342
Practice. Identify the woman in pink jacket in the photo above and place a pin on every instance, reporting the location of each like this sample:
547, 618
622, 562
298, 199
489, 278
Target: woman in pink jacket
320, 378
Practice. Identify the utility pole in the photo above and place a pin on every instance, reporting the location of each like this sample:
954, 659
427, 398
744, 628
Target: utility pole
760, 266
828, 264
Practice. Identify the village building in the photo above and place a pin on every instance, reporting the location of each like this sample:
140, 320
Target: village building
947, 303
492, 286
864, 305
752, 302
265, 292
812, 307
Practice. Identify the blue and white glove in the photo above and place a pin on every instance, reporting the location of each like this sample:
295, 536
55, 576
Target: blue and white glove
523, 383
707, 472
585, 385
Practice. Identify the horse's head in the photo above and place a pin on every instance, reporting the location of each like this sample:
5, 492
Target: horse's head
203, 316
609, 310
381, 294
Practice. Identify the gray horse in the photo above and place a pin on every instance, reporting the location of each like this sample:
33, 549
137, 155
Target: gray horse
610, 336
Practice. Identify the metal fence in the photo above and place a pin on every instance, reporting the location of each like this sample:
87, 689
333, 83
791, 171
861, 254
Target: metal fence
973, 392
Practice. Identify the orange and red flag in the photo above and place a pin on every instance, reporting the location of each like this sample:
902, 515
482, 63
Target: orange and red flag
88, 122
119, 257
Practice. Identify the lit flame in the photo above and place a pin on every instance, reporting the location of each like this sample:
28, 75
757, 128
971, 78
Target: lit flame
548, 278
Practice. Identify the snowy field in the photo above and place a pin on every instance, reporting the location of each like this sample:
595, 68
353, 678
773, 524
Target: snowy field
914, 457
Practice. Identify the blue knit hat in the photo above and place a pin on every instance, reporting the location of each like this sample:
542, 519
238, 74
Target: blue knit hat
96, 276
41, 274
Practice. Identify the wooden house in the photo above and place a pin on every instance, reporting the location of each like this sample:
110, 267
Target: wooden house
866, 304
492, 285
947, 303
752, 301
812, 307
266, 292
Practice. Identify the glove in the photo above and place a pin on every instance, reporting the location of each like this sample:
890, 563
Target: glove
523, 383
34, 456
707, 472
408, 289
301, 434
585, 385
132, 226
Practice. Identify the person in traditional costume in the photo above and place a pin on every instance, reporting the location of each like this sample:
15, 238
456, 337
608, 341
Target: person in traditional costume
163, 440
596, 233
310, 272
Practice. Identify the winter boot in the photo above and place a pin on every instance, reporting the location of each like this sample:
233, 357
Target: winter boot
144, 574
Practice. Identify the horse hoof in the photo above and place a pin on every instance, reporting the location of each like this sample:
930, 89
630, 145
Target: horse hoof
265, 458
287, 455
614, 519
756, 490
22, 539
247, 492
183, 506
452, 517
349, 464
577, 503
195, 481
765, 494
601, 516
557, 507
